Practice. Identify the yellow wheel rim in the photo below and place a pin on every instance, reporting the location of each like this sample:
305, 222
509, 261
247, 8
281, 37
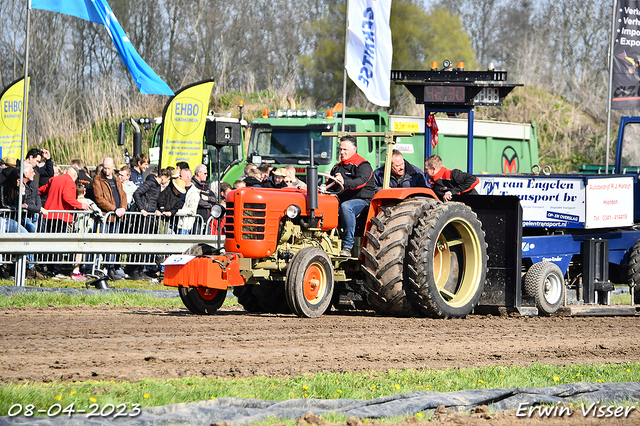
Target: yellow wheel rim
457, 283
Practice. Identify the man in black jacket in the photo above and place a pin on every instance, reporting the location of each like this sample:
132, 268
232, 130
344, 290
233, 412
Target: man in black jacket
31, 201
403, 174
207, 197
356, 175
447, 183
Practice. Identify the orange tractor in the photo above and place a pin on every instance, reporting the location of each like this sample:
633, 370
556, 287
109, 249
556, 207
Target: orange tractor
415, 256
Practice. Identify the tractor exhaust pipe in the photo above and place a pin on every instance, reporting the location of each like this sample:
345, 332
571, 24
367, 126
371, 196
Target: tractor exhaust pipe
312, 190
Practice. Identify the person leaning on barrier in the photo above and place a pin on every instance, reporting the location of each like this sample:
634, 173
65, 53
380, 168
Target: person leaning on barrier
9, 201
109, 195
403, 174
31, 201
146, 196
207, 197
169, 202
190, 207
61, 195
447, 183
111, 198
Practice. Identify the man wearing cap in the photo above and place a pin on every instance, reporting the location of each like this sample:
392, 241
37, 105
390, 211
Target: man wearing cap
110, 197
276, 180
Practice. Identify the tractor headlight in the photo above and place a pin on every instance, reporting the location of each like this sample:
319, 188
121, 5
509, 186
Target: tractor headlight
293, 211
217, 211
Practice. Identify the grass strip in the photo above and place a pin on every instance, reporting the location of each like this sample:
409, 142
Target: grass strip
42, 299
50, 283
365, 385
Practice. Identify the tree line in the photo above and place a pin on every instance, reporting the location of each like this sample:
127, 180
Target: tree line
295, 49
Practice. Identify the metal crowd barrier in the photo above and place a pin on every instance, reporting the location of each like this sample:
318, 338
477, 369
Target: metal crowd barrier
87, 238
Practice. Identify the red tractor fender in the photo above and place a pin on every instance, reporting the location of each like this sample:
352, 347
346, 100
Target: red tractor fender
383, 197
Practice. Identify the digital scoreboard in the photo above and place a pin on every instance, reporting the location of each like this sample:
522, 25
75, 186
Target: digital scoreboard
455, 88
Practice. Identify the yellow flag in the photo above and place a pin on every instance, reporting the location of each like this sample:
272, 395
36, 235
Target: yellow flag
184, 121
11, 108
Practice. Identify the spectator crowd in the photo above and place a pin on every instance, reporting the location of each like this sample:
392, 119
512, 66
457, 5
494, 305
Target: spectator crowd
170, 200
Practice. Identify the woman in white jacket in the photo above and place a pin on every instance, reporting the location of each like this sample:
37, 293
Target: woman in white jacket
187, 214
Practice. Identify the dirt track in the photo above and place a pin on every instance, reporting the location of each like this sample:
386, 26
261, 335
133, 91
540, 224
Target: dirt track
80, 343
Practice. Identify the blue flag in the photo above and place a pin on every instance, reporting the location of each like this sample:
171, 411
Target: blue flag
99, 11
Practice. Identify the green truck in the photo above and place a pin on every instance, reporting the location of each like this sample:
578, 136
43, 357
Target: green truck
283, 138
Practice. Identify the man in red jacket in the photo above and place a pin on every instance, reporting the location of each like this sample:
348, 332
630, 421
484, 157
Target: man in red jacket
447, 183
61, 195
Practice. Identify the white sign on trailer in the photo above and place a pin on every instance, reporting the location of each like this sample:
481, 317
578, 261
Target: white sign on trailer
567, 202
609, 202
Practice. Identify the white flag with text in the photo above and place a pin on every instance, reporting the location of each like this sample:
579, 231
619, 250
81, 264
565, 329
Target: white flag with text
369, 52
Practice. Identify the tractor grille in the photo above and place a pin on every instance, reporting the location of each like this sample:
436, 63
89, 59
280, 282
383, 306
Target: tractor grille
253, 221
228, 227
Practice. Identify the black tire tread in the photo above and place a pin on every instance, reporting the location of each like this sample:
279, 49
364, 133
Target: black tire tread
420, 274
385, 260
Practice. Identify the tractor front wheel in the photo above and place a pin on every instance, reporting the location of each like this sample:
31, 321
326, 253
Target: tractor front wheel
202, 301
309, 283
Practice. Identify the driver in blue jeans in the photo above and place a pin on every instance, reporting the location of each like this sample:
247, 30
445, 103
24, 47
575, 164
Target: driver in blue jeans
356, 175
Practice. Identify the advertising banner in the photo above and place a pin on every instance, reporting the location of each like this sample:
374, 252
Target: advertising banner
369, 52
625, 89
11, 108
609, 202
546, 202
565, 202
184, 120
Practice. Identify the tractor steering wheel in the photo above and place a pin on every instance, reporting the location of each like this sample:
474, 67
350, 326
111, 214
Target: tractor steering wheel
335, 181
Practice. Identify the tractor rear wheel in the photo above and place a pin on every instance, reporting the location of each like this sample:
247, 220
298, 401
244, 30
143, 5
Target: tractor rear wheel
309, 283
448, 261
544, 282
247, 299
634, 271
385, 262
201, 301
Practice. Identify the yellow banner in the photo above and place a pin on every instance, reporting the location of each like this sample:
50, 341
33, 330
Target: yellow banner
11, 108
184, 120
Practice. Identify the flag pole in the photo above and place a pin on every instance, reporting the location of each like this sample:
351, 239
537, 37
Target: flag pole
20, 263
344, 64
611, 49
24, 114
